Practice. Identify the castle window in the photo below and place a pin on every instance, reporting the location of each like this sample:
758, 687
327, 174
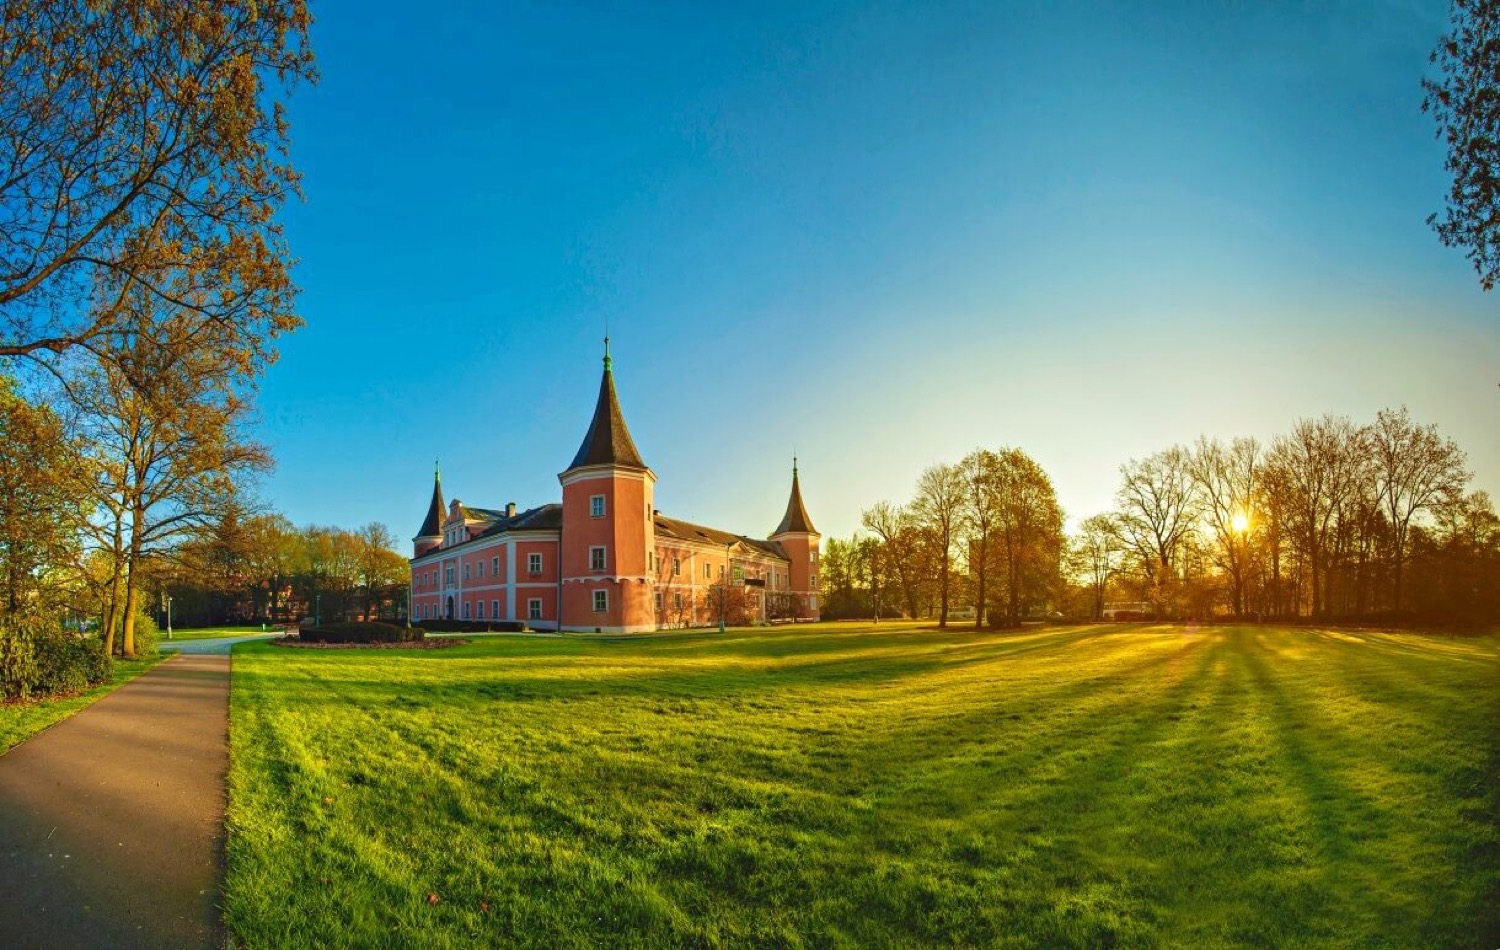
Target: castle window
448, 574
494, 567
601, 601
479, 609
596, 559
708, 570
676, 566
466, 572
494, 610
596, 506
677, 599
467, 605
534, 609
658, 601
534, 563
479, 568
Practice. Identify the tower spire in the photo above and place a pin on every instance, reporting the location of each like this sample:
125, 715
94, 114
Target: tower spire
432, 525
796, 518
608, 441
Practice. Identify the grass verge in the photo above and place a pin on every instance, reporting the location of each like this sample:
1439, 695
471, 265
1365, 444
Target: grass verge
21, 721
853, 786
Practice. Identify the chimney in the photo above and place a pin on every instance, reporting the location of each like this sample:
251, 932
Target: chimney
510, 509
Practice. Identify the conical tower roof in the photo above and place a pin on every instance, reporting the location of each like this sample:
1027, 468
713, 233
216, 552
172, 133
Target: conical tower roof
432, 526
608, 441
796, 518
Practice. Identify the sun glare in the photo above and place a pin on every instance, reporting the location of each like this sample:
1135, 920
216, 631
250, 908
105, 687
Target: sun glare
1241, 523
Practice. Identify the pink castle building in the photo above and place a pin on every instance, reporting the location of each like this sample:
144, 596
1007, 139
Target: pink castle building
606, 559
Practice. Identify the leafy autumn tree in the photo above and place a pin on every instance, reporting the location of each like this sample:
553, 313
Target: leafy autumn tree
1027, 558
938, 508
165, 418
902, 549
1465, 101
983, 483
144, 150
43, 485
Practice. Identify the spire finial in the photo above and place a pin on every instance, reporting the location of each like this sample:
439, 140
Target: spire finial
794, 463
437, 470
607, 361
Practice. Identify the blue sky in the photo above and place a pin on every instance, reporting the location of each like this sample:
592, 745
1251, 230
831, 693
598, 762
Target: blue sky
879, 234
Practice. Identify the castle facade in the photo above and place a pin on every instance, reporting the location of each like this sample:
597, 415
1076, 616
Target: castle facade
605, 559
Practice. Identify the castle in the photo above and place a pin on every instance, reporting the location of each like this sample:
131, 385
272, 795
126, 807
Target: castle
606, 559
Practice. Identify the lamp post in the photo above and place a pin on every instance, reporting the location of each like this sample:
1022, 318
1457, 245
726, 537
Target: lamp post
724, 586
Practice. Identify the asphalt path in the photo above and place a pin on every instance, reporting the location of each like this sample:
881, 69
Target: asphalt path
111, 821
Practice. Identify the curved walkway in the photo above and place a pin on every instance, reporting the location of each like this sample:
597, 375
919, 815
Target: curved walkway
111, 821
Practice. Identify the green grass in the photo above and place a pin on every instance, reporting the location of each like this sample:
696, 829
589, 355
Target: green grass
838, 785
211, 633
21, 721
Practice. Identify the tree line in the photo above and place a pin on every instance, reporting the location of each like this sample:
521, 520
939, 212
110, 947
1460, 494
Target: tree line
1332, 520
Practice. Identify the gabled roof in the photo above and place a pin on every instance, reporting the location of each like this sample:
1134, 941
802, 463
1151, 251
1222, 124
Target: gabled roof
433, 525
687, 531
608, 441
796, 518
540, 518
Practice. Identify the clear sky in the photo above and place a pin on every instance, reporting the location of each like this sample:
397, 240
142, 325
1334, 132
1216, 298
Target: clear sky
879, 234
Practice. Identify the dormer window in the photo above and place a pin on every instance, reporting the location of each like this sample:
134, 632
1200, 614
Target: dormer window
596, 506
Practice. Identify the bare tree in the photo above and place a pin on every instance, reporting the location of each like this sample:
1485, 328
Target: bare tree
1416, 469
1096, 555
901, 544
1227, 478
1156, 507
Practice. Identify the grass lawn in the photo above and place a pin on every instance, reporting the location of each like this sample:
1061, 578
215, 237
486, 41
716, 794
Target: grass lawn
21, 721
210, 633
845, 785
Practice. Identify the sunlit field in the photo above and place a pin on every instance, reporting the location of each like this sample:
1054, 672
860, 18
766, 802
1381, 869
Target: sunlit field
867, 786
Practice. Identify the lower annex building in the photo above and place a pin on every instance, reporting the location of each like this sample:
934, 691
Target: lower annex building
606, 559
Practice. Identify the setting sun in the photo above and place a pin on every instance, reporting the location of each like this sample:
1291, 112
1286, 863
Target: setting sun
1240, 523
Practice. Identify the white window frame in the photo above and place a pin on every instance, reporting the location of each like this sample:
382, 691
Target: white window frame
466, 570
708, 571
534, 562
596, 506
598, 558
494, 610
676, 566
468, 613
495, 566
534, 609
601, 601
479, 610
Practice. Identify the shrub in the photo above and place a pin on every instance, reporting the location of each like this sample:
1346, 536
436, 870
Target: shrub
147, 635
38, 657
356, 631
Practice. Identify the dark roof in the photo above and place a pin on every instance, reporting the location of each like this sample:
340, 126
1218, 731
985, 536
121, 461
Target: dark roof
540, 518
796, 518
687, 531
433, 525
608, 441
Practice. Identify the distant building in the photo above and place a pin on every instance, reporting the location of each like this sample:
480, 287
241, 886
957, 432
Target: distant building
605, 559
1128, 610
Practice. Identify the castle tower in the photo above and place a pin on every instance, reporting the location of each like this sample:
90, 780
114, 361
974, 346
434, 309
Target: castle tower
607, 534
430, 535
799, 539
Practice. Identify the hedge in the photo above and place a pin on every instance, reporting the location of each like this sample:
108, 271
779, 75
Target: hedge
356, 631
